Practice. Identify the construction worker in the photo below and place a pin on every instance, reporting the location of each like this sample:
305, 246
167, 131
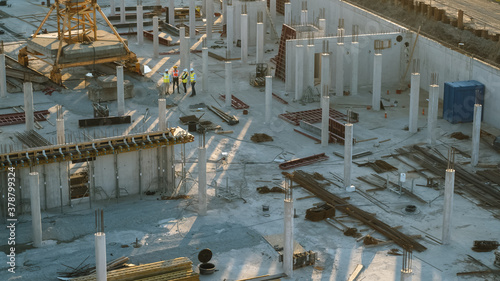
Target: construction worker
184, 77
193, 82
166, 82
175, 78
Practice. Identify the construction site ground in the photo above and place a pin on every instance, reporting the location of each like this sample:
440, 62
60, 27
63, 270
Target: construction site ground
235, 224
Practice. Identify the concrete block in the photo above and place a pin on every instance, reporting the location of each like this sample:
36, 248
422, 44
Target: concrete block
97, 92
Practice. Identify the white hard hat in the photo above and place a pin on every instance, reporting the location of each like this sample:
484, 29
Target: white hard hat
166, 69
185, 69
192, 69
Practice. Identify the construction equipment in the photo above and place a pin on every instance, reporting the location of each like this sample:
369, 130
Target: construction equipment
77, 41
259, 79
100, 110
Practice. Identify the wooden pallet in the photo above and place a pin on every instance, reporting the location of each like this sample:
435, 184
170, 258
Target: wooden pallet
20, 118
181, 275
287, 33
311, 116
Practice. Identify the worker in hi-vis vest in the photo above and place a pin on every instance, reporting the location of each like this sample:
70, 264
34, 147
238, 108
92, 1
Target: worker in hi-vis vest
166, 83
193, 82
175, 79
184, 78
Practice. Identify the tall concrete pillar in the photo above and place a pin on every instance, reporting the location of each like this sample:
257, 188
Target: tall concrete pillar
244, 38
476, 134
354, 68
140, 24
309, 67
210, 18
460, 19
414, 101
36, 216
170, 168
325, 73
122, 11
61, 136
299, 75
339, 70
288, 244
3, 77
449, 186
348, 154
28, 106
272, 10
156, 40
204, 58
229, 79
100, 256
112, 7
183, 48
230, 30
192, 19
162, 113
288, 13
322, 26
171, 12
269, 97
202, 180
303, 17
120, 90
224, 12
432, 113
260, 42
325, 116
377, 81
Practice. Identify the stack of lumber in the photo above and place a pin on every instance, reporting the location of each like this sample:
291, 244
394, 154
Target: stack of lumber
179, 269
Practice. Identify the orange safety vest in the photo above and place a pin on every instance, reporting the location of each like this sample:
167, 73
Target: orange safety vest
175, 73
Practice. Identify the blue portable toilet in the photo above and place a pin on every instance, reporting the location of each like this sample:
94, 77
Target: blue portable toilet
459, 100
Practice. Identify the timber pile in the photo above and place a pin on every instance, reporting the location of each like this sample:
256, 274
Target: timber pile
308, 182
179, 269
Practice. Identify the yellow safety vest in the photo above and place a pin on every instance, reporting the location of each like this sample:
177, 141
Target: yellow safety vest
193, 77
166, 78
185, 77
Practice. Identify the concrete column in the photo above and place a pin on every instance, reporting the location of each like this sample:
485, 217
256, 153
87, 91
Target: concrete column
308, 69
204, 58
228, 79
244, 38
269, 97
325, 114
460, 19
272, 10
171, 12
204, 7
377, 81
303, 17
299, 75
100, 256
449, 186
348, 154
36, 216
230, 30
288, 244
432, 113
414, 101
192, 19
3, 77
210, 18
28, 106
325, 73
260, 42
122, 11
288, 13
170, 168
61, 136
202, 181
339, 70
322, 26
476, 134
140, 34
156, 40
162, 113
354, 67
120, 91
112, 7
183, 48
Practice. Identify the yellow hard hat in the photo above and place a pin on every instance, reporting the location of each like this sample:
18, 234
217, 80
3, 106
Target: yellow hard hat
175, 66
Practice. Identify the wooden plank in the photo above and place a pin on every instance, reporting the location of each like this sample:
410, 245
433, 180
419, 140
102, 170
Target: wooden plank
355, 273
267, 277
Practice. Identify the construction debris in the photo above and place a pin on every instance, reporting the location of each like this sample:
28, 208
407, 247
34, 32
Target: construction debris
265, 189
320, 212
459, 136
235, 102
229, 119
303, 161
379, 166
312, 116
87, 269
355, 273
485, 246
261, 138
20, 118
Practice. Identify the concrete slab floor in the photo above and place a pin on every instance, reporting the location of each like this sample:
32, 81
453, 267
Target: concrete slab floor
233, 230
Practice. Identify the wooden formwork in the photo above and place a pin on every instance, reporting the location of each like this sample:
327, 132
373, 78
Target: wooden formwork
287, 33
